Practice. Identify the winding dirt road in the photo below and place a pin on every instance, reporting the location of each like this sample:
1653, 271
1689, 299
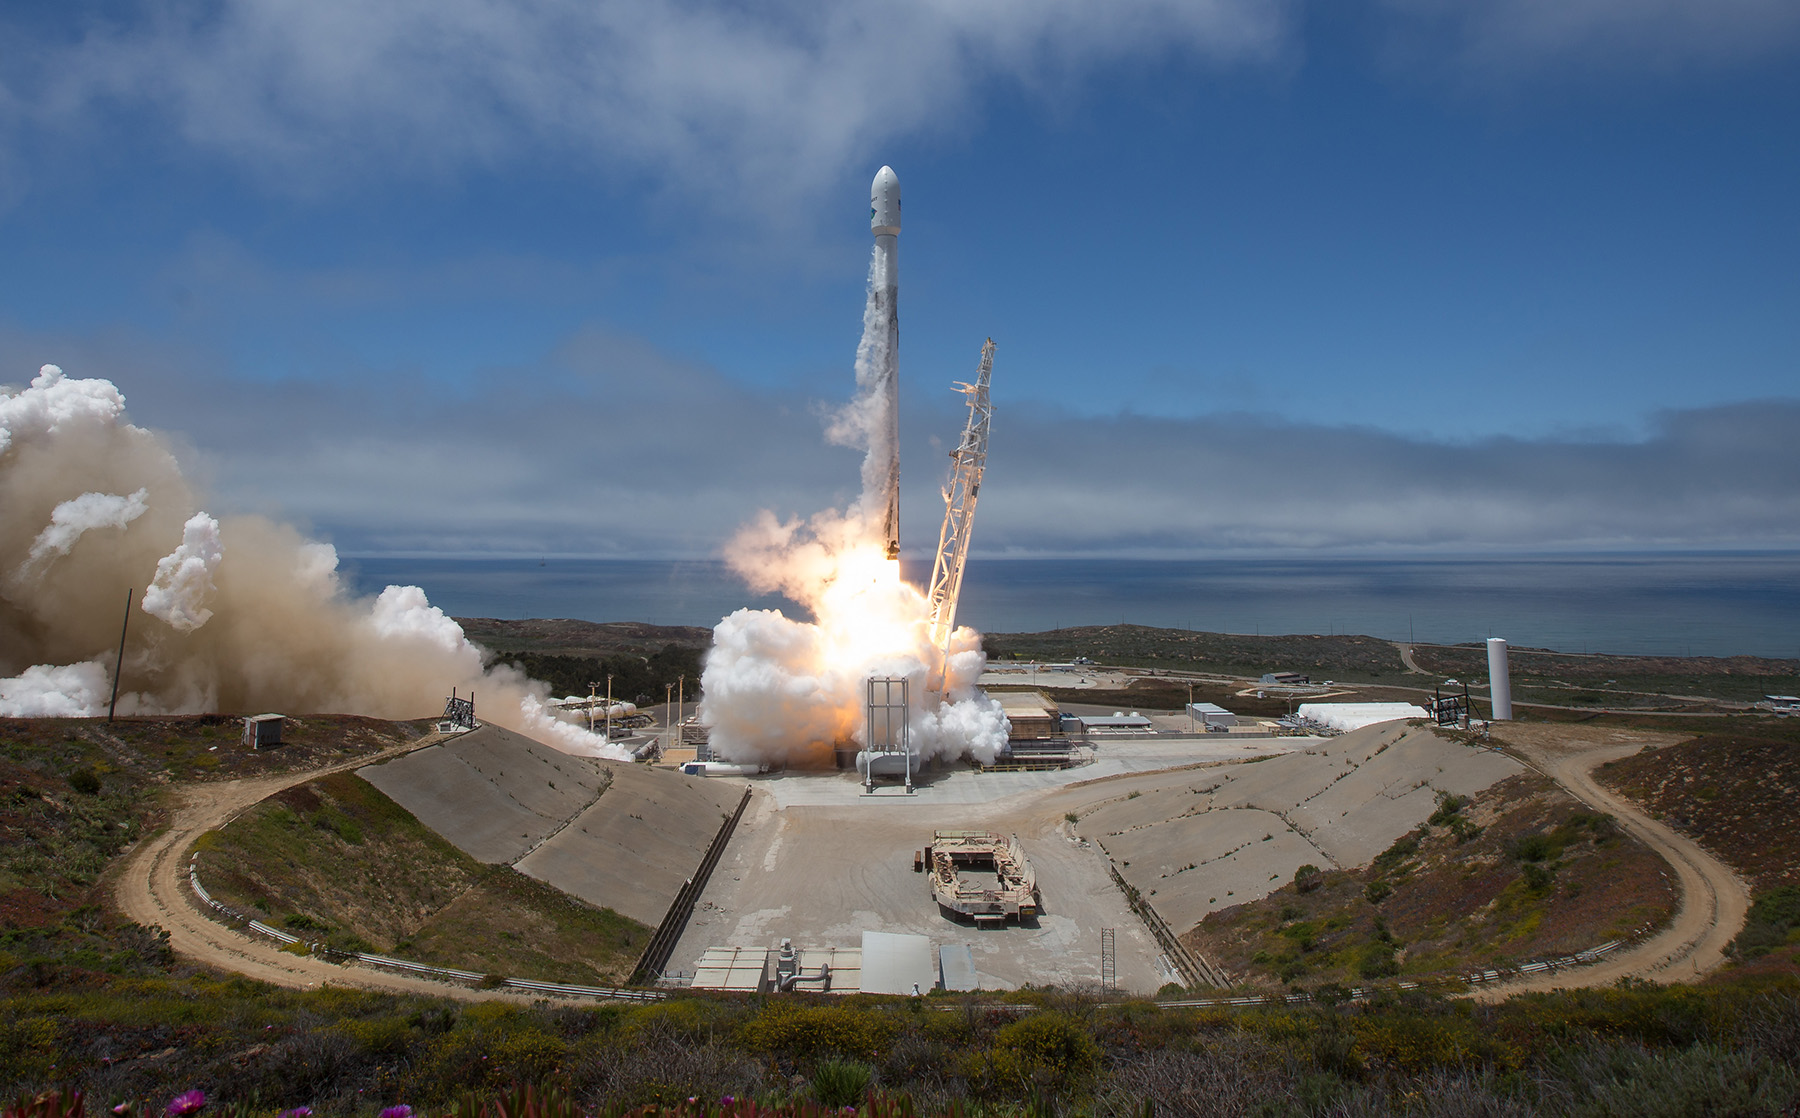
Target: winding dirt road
1713, 900
152, 889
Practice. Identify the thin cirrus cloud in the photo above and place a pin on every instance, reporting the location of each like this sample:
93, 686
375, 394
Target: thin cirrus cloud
779, 97
775, 100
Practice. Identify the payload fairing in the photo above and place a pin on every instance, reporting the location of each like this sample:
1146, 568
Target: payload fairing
884, 223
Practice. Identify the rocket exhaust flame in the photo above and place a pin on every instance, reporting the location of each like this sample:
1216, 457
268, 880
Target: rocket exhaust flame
787, 691
242, 614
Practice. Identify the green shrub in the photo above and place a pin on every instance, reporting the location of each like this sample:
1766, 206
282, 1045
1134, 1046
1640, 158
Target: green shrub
1772, 921
1306, 878
1044, 1049
85, 781
1448, 807
1537, 876
825, 1030
1378, 961
1534, 848
838, 1083
1404, 847
1378, 891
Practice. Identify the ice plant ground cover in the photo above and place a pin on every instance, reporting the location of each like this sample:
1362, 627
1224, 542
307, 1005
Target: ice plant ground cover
520, 1102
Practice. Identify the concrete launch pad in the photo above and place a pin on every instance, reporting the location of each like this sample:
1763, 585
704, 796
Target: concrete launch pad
817, 861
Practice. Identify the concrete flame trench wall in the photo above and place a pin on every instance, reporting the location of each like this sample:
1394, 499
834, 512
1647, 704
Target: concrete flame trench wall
1236, 833
614, 834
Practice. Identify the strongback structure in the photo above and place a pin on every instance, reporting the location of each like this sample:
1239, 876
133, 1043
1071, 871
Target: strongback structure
968, 461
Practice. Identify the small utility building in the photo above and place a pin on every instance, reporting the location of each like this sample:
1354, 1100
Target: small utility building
1212, 717
1032, 713
263, 730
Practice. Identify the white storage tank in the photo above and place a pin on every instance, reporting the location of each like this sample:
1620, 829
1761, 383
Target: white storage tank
1499, 680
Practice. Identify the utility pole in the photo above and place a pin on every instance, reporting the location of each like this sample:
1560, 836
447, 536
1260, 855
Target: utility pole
592, 688
1191, 728
120, 666
609, 709
680, 704
669, 716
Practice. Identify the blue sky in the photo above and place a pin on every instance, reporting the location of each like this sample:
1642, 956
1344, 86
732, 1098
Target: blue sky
581, 277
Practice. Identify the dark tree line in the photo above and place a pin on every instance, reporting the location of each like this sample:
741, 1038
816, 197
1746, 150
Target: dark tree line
636, 679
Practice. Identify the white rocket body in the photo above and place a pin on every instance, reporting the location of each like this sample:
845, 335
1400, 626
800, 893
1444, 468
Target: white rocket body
884, 223
1499, 680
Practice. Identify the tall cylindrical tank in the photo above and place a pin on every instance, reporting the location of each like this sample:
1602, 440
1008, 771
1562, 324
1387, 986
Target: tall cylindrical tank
1499, 680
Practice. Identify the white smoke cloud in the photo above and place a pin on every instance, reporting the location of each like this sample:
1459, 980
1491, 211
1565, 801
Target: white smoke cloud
787, 691
184, 577
256, 616
52, 691
80, 515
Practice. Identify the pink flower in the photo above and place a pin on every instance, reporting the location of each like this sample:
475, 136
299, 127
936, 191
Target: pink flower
188, 1102
401, 1111
297, 1112
122, 1108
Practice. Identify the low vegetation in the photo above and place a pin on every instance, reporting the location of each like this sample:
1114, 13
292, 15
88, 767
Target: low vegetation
1521, 872
1630, 1050
335, 861
638, 679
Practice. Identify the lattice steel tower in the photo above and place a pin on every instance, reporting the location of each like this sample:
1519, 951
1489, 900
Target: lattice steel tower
968, 460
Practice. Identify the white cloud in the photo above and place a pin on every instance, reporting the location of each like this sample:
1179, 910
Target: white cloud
761, 101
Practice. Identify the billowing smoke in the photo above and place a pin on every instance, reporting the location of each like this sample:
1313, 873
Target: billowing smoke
233, 613
787, 691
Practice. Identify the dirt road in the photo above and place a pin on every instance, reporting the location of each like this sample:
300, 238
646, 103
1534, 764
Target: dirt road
152, 889
1714, 900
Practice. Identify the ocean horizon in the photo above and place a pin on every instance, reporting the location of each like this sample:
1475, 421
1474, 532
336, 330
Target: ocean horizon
1679, 604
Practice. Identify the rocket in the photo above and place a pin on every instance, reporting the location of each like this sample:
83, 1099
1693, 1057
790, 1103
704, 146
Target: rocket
884, 223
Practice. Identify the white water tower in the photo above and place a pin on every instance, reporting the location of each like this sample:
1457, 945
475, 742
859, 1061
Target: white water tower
1499, 680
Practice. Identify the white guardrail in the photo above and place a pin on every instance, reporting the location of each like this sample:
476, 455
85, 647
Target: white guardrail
424, 970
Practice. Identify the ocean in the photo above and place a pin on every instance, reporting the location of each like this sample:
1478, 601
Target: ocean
1711, 604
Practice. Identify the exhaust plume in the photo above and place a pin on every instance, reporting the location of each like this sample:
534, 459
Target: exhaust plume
245, 614
783, 690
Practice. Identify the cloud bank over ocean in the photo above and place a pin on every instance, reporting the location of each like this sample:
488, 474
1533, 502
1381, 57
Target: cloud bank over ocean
607, 447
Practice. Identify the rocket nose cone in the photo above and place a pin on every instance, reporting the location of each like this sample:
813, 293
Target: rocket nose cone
884, 202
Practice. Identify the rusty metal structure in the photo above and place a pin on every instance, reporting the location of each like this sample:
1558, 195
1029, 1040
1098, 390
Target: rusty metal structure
981, 875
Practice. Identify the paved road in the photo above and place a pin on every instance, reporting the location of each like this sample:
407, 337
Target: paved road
152, 889
1713, 900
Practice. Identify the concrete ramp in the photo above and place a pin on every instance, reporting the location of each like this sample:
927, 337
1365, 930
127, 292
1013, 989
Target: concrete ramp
492, 793
632, 851
614, 834
1236, 833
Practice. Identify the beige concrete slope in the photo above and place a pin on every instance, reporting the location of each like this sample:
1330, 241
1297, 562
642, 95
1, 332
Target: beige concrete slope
1714, 900
1225, 835
632, 850
494, 793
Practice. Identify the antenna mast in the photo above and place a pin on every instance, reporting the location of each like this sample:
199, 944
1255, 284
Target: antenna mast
969, 460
